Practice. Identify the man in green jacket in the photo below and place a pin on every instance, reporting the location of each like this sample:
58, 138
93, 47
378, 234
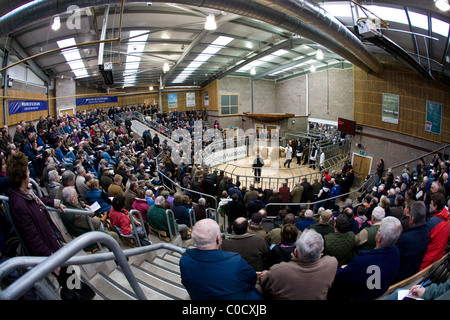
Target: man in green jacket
77, 224
156, 216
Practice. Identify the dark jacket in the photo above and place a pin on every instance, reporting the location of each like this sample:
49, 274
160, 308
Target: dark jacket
413, 244
281, 252
217, 275
33, 224
351, 282
181, 213
251, 247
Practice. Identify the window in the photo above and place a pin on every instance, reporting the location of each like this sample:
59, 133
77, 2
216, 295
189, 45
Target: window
229, 104
439, 27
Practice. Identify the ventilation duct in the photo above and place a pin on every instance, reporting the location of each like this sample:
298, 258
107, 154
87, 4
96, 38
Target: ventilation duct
326, 31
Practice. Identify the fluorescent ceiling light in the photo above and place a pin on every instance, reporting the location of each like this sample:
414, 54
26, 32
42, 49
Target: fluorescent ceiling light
319, 55
210, 23
56, 23
166, 67
442, 5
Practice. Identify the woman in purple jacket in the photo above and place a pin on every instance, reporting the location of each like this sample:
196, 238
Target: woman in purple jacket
33, 223
28, 212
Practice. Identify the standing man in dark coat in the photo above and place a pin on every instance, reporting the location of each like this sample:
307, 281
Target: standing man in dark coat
258, 163
307, 191
128, 125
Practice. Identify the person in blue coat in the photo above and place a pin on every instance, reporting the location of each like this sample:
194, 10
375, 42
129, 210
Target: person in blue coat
369, 274
95, 194
209, 273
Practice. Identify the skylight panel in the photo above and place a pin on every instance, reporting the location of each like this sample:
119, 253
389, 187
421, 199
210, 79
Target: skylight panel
418, 20
258, 62
439, 27
211, 50
202, 57
206, 54
222, 41
389, 14
280, 52
135, 48
73, 57
341, 10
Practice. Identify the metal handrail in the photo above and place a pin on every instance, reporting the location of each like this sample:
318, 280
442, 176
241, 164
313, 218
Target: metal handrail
87, 213
141, 220
169, 211
29, 261
185, 189
40, 271
192, 217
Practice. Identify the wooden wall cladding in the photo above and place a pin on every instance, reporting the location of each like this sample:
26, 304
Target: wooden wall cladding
181, 101
26, 116
213, 95
413, 91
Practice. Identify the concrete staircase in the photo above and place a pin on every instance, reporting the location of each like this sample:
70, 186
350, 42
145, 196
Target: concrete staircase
157, 272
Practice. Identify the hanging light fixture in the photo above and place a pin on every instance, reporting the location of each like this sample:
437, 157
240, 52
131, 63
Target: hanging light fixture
313, 69
442, 5
252, 71
210, 23
319, 55
166, 67
56, 23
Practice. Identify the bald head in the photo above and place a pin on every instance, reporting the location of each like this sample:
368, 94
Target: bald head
206, 235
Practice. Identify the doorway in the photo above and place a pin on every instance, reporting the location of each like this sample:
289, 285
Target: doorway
361, 166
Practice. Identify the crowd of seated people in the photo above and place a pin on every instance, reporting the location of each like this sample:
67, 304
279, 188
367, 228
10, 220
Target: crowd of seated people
401, 226
94, 155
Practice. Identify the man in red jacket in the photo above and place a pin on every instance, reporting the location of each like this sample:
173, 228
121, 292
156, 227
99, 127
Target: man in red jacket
438, 228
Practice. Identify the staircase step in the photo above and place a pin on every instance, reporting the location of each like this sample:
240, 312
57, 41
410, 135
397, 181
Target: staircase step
169, 288
152, 292
172, 258
162, 262
108, 289
161, 272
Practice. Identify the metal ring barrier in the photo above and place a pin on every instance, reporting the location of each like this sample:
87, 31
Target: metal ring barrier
168, 211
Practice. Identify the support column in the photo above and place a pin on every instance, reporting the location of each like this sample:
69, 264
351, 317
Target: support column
65, 87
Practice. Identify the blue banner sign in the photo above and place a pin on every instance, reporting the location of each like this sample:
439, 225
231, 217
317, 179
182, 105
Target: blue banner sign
21, 106
95, 100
